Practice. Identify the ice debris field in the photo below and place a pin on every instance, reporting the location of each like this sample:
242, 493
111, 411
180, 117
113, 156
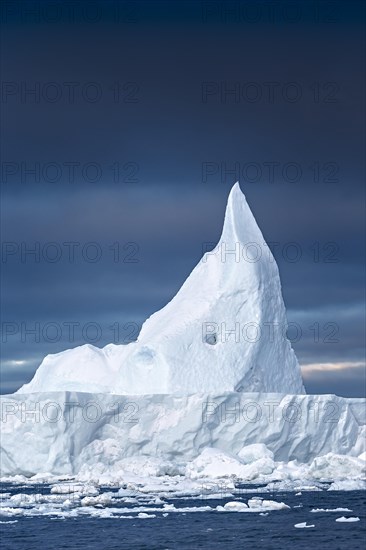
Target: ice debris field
187, 411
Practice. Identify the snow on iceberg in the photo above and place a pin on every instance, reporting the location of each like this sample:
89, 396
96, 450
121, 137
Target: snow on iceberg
223, 331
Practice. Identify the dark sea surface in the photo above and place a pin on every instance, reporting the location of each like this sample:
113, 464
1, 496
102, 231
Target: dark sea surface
191, 530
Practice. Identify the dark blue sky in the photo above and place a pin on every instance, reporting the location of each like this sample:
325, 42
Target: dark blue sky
124, 126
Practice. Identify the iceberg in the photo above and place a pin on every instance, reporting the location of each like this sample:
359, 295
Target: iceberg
209, 391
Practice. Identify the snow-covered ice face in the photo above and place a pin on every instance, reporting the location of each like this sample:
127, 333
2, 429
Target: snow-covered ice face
225, 330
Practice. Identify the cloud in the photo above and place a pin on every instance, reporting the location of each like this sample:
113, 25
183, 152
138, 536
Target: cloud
346, 379
309, 370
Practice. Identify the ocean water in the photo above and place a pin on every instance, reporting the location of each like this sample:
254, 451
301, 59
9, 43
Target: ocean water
41, 524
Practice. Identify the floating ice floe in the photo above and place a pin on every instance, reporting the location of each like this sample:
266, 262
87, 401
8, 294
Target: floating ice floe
254, 505
10, 521
348, 484
347, 520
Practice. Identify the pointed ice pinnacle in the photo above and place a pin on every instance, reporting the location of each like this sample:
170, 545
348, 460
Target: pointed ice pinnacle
225, 330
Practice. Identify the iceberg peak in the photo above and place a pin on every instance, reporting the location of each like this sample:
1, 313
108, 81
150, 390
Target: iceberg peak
239, 223
225, 330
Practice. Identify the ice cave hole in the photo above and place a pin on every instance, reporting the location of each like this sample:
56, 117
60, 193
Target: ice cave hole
211, 339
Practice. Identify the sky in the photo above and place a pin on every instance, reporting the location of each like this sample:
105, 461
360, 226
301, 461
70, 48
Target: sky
124, 126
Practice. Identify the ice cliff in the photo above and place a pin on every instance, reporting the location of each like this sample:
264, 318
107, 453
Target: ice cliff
103, 436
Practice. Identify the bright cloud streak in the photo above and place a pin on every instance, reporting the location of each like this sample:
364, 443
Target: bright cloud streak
309, 369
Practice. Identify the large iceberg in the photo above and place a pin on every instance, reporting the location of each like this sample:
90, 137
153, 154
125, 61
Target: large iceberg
225, 330
211, 389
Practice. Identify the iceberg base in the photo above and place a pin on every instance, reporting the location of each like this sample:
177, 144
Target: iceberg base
68, 433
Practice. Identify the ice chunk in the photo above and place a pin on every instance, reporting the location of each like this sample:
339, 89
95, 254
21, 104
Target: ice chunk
254, 505
254, 452
348, 484
11, 521
235, 506
268, 504
214, 463
347, 520
103, 500
332, 466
